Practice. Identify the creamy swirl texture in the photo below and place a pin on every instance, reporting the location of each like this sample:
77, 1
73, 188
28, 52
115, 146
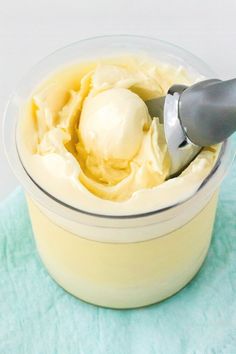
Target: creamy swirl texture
86, 137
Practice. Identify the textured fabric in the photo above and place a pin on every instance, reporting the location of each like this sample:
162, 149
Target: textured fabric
39, 317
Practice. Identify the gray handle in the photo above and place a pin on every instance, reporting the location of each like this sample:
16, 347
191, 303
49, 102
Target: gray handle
207, 111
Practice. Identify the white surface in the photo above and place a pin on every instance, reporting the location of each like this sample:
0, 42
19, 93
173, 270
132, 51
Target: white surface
30, 29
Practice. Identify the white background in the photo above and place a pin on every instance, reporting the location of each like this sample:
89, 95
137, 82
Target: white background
31, 29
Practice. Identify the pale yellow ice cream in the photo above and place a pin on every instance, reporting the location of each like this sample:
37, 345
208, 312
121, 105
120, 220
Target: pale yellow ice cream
120, 145
113, 123
124, 275
92, 143
87, 139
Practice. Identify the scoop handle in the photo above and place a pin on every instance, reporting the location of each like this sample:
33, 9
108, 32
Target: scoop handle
207, 111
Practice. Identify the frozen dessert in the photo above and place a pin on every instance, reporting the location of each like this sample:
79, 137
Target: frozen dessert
92, 143
92, 159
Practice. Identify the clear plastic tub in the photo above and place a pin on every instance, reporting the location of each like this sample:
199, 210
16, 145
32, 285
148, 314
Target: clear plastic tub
117, 261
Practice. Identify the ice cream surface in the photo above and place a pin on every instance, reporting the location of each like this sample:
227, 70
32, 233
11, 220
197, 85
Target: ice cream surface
87, 138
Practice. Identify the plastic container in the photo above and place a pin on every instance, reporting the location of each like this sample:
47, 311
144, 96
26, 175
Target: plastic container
117, 261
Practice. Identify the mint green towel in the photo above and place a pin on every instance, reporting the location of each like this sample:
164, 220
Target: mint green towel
39, 317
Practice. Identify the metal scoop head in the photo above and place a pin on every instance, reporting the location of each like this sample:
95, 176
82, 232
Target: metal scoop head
200, 115
181, 150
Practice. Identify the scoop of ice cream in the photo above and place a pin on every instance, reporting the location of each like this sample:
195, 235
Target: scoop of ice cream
113, 123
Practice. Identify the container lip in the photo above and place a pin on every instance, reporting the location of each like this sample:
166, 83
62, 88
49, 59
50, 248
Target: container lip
31, 181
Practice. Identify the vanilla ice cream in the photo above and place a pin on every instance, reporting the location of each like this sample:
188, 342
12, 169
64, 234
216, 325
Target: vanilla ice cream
92, 143
112, 124
108, 220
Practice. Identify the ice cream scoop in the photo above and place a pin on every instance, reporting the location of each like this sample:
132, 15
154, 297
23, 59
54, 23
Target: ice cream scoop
201, 115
